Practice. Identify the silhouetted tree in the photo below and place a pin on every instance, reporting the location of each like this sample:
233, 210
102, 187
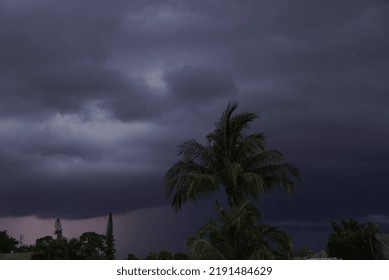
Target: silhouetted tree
110, 250
239, 163
181, 256
161, 255
92, 246
59, 249
304, 252
41, 249
58, 229
351, 240
47, 248
74, 250
7, 243
132, 257
236, 234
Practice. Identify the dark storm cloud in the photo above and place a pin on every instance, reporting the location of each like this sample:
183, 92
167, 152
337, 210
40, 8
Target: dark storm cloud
55, 58
81, 198
200, 84
322, 94
95, 97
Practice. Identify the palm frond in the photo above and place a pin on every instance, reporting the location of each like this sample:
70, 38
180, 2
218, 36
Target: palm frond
236, 234
248, 146
274, 240
230, 158
192, 187
192, 149
252, 184
202, 249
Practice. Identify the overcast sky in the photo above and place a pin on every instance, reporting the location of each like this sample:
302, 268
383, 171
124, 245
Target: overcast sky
96, 95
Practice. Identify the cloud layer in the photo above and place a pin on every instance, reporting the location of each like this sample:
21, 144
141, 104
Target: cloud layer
95, 97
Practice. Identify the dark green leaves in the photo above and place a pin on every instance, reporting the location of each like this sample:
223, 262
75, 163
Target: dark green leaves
230, 159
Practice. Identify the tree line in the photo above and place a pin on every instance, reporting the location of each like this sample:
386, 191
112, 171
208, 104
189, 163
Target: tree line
89, 246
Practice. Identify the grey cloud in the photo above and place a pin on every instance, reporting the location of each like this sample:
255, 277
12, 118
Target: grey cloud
136, 103
65, 199
200, 84
54, 56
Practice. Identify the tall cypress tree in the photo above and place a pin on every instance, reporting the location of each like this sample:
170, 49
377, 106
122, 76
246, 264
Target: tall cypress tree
110, 250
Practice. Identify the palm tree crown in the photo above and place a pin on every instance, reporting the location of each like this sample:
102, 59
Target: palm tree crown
232, 160
236, 234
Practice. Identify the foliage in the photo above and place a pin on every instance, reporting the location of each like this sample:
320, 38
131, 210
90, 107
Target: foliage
110, 250
161, 255
24, 248
304, 253
165, 254
181, 256
7, 243
351, 240
92, 246
239, 163
236, 234
47, 248
132, 257
74, 250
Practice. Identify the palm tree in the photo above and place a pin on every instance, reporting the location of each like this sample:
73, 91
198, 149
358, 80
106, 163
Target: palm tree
236, 234
232, 160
